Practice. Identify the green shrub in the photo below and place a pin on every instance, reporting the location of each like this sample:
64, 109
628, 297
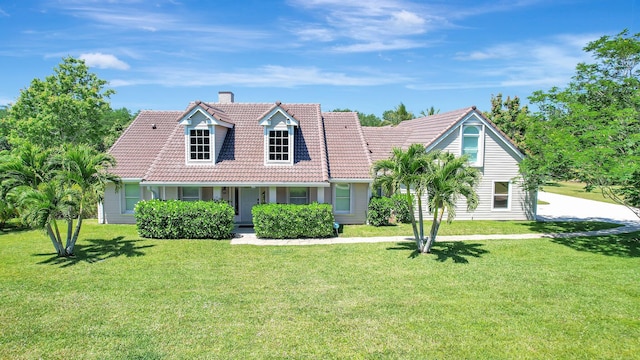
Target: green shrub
402, 207
175, 219
288, 221
379, 211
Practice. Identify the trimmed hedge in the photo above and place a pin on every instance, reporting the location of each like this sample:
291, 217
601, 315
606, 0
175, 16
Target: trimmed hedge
175, 219
402, 207
379, 212
288, 221
383, 210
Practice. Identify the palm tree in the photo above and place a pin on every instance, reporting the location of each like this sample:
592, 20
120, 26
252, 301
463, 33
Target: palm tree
28, 166
52, 185
403, 168
87, 170
449, 178
42, 206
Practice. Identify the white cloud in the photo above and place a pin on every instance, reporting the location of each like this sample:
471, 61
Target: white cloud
366, 26
268, 75
315, 34
4, 13
539, 63
379, 46
104, 61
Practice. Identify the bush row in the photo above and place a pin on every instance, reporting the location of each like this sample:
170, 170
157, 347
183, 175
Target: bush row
288, 221
383, 211
175, 219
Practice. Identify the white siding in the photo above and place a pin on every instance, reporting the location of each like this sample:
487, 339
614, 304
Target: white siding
112, 207
500, 164
359, 203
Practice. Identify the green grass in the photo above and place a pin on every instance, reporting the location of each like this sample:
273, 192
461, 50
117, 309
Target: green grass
576, 189
479, 227
123, 297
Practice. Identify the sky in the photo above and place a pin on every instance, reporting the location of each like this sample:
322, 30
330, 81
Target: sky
364, 55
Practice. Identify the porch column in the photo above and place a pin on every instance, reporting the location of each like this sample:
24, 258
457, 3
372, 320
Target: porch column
217, 193
272, 195
320, 191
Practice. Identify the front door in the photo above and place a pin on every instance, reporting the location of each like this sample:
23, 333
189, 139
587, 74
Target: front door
248, 198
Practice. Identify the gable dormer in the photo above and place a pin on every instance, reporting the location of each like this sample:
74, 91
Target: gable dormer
205, 128
279, 135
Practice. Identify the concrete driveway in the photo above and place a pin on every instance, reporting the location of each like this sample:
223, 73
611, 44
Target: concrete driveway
563, 207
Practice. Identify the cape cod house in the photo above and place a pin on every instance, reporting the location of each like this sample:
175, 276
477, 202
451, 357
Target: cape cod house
249, 153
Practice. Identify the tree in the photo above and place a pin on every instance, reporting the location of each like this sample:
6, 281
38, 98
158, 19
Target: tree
403, 169
510, 117
397, 115
365, 119
430, 111
442, 176
4, 129
86, 170
41, 207
590, 130
448, 178
47, 185
66, 107
114, 122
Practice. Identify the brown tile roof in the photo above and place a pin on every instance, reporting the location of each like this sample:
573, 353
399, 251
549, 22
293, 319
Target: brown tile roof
327, 145
211, 110
140, 143
424, 130
347, 150
241, 158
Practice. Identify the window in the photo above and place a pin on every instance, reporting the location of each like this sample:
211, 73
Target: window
190, 194
278, 145
342, 203
131, 197
298, 196
471, 143
501, 195
199, 144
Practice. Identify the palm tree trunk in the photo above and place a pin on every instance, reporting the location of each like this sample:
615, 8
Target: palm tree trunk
421, 224
69, 229
413, 218
71, 243
56, 243
437, 220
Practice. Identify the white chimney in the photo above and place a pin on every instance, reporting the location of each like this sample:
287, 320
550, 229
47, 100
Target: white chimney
225, 97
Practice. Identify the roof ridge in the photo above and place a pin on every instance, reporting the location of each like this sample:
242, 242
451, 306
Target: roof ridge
463, 112
324, 160
363, 141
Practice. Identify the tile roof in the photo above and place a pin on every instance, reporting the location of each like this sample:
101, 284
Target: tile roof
346, 147
329, 145
424, 130
241, 158
140, 143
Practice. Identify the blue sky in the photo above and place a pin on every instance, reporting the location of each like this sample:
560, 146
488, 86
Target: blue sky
363, 55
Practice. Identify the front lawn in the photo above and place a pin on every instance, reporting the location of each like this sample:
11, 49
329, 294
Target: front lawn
480, 227
123, 297
576, 189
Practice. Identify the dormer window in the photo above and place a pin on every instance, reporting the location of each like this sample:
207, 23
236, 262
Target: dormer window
473, 142
205, 128
200, 144
279, 145
279, 131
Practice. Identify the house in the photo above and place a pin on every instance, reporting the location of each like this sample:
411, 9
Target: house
467, 131
250, 153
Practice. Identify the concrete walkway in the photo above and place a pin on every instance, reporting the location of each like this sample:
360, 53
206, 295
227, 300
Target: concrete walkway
560, 208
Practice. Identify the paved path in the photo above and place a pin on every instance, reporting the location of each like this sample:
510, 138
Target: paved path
560, 208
